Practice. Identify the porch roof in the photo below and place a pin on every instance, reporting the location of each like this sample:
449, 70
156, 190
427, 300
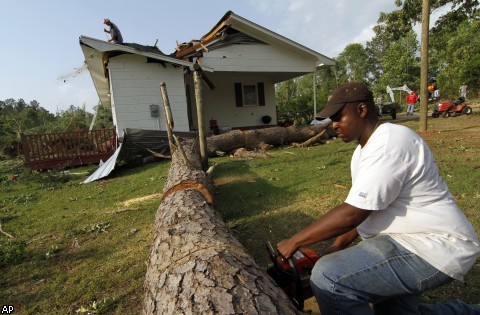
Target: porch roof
254, 31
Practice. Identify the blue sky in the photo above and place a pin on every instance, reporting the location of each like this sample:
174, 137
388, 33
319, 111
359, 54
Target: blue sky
41, 59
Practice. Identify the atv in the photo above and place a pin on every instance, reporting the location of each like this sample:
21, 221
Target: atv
449, 108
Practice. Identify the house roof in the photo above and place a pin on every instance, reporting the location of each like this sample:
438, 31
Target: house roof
97, 52
230, 29
227, 26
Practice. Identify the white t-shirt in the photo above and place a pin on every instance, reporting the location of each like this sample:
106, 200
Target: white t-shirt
396, 174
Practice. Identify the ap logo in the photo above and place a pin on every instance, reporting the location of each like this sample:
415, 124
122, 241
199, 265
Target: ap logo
7, 309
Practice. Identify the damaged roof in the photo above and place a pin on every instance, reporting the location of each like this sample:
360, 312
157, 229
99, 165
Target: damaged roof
231, 29
97, 52
234, 29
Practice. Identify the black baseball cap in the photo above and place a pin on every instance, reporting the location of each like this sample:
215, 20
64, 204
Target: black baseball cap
348, 93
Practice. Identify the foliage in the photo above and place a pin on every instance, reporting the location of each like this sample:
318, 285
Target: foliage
353, 63
295, 100
391, 57
104, 119
17, 117
400, 64
457, 58
73, 119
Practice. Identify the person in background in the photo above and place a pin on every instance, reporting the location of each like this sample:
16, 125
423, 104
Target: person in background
115, 34
411, 98
414, 236
431, 88
463, 90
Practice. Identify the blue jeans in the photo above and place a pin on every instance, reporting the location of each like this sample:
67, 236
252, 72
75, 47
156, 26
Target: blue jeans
410, 108
378, 276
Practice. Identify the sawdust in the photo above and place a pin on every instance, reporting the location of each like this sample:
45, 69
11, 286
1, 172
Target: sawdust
233, 179
138, 200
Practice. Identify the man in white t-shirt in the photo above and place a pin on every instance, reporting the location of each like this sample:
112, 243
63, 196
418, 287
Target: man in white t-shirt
414, 236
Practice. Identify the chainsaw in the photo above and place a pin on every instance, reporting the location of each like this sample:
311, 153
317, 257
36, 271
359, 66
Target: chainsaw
293, 274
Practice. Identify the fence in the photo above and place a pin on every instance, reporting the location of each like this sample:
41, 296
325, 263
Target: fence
66, 149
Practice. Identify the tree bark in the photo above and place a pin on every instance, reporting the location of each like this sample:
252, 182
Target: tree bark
196, 265
258, 138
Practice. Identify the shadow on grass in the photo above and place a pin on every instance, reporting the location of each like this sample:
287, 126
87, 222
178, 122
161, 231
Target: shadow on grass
253, 194
275, 227
39, 278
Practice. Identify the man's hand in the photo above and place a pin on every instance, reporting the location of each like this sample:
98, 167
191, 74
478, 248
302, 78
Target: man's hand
287, 248
343, 219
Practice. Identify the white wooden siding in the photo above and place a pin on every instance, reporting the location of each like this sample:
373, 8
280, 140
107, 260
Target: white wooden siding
219, 104
257, 58
136, 85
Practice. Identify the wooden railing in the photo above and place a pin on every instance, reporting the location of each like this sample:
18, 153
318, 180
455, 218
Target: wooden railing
66, 149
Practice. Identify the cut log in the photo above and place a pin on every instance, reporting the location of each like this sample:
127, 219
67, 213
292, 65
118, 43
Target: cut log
260, 138
196, 265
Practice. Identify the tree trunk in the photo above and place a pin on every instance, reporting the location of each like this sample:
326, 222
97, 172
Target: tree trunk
424, 66
196, 265
258, 138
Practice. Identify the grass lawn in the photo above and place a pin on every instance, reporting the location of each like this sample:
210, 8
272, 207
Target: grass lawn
83, 248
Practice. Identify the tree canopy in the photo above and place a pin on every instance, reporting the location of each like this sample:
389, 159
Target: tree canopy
17, 117
392, 56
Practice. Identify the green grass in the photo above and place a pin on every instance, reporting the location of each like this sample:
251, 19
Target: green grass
72, 251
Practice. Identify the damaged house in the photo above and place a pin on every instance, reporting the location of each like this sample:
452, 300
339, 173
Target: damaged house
242, 60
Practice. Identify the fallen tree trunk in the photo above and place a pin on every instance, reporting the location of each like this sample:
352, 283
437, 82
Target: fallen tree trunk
196, 265
261, 139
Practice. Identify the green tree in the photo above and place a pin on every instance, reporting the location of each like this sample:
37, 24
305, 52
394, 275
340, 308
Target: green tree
353, 63
453, 52
458, 58
295, 100
104, 117
400, 64
17, 117
73, 119
391, 27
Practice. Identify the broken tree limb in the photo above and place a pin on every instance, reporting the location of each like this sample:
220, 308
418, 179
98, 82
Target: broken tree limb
202, 134
168, 115
170, 124
159, 155
196, 265
310, 141
3, 232
260, 138
123, 210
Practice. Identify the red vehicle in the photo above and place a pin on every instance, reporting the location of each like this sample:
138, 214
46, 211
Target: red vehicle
450, 108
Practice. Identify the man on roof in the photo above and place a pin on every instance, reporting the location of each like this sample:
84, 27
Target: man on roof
115, 35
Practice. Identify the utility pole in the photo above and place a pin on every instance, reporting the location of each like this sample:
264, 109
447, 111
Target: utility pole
424, 66
314, 94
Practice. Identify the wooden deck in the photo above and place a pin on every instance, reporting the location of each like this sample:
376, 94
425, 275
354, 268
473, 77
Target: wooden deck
67, 149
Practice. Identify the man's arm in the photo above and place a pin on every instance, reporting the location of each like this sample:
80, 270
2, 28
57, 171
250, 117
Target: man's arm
341, 242
340, 220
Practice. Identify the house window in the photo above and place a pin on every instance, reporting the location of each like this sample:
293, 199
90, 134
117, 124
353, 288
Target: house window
249, 94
